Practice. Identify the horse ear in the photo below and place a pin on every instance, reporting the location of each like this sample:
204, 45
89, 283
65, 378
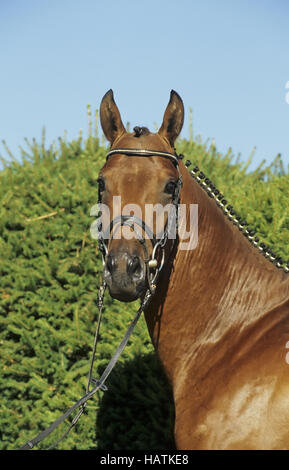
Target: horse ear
110, 119
173, 118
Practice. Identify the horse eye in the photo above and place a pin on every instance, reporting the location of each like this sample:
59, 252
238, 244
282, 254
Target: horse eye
101, 184
170, 187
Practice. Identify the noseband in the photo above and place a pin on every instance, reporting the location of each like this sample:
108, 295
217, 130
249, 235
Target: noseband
133, 221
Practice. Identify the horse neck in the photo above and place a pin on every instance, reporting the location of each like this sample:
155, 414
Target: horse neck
220, 288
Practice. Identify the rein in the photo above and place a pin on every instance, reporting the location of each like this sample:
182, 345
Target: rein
99, 384
151, 278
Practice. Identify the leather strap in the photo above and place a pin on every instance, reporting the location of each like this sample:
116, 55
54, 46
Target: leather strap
99, 383
143, 153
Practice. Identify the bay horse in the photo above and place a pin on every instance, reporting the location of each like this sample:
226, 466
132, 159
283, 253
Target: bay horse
219, 316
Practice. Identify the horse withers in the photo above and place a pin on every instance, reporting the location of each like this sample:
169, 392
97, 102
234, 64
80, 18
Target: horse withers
219, 314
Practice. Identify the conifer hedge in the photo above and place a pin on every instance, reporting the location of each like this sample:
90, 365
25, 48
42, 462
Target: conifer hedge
50, 270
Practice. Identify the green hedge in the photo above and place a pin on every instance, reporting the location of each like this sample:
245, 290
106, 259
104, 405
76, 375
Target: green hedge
50, 271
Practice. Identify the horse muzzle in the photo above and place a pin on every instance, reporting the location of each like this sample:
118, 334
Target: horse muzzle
125, 276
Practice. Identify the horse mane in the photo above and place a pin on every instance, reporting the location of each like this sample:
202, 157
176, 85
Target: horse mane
228, 210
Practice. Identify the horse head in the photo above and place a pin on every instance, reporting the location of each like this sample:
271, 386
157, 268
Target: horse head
130, 185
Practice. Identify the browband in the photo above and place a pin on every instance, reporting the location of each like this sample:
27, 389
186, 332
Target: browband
144, 152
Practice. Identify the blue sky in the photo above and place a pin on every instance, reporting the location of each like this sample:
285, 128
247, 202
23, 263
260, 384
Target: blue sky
229, 61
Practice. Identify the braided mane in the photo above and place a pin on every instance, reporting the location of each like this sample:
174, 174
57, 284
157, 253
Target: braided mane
232, 215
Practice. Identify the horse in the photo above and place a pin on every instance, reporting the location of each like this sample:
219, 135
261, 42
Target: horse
219, 314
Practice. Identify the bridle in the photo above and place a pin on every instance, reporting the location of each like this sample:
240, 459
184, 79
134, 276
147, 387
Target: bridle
154, 264
151, 264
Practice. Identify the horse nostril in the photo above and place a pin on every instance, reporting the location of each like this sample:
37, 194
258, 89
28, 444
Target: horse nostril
134, 267
110, 264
